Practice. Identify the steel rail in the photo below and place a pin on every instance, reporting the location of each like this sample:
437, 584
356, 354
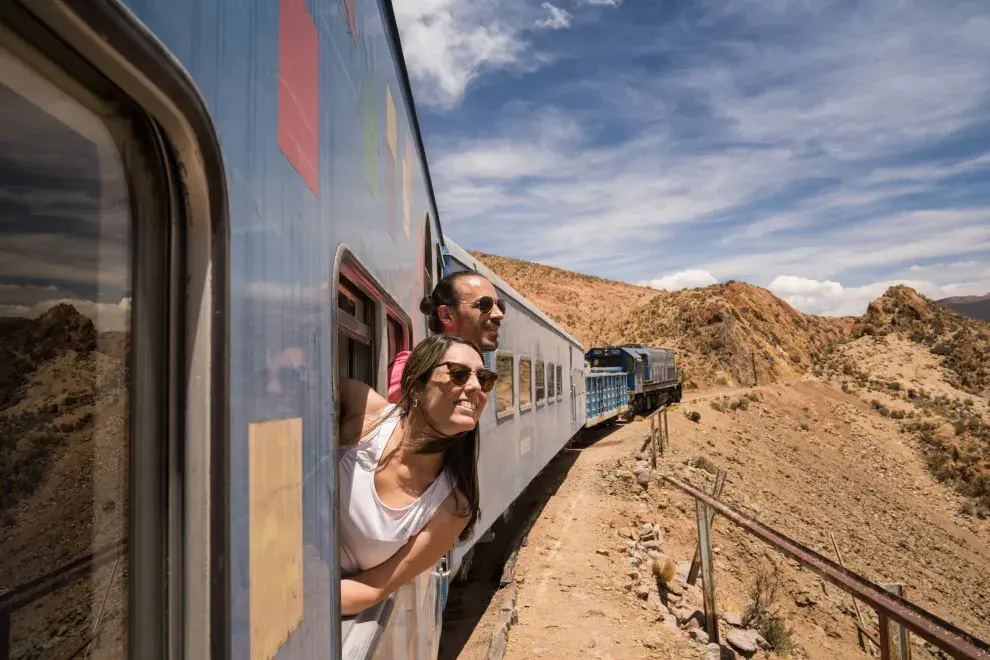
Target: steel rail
958, 643
28, 592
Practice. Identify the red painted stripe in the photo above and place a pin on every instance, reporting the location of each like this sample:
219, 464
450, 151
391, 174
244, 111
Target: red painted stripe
299, 90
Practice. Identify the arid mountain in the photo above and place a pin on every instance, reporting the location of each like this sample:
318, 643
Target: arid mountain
725, 334
916, 361
975, 307
63, 476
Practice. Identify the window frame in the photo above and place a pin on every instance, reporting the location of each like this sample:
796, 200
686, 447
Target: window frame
511, 410
384, 307
540, 366
525, 407
551, 374
560, 382
168, 341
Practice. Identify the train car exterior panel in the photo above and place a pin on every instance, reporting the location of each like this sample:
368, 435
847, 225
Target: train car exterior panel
321, 150
519, 441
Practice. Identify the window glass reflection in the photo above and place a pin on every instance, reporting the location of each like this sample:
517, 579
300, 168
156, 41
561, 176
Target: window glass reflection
64, 378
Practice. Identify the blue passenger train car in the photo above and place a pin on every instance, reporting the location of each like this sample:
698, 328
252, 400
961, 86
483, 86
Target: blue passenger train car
212, 211
228, 207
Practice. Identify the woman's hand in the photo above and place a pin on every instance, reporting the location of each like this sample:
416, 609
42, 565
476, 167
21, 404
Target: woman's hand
361, 591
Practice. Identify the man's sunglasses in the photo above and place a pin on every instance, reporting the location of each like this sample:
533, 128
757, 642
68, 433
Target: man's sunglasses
485, 304
459, 374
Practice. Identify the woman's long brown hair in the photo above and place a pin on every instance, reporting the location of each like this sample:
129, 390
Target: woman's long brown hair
460, 451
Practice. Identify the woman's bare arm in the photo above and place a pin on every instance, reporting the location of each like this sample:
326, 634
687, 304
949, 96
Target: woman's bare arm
360, 407
422, 551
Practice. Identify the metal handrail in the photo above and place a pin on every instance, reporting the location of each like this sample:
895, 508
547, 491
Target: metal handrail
944, 635
50, 582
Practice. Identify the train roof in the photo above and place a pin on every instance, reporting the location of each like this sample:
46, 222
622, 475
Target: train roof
631, 351
462, 255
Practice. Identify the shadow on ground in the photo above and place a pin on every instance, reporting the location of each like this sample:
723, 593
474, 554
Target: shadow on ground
471, 594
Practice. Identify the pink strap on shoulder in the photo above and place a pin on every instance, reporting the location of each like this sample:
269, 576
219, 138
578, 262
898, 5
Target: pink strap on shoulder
395, 377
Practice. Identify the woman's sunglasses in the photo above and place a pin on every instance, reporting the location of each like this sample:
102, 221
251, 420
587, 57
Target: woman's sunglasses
485, 304
459, 374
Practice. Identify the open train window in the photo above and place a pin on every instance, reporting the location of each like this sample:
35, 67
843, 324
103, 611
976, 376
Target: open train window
560, 386
551, 382
397, 337
355, 332
505, 398
525, 383
541, 382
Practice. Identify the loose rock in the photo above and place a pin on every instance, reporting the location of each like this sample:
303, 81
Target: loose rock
699, 636
732, 618
744, 641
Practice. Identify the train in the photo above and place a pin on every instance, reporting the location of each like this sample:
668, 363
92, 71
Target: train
649, 374
228, 207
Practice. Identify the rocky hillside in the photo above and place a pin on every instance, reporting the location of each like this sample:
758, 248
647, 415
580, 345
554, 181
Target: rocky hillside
63, 467
917, 362
975, 307
725, 334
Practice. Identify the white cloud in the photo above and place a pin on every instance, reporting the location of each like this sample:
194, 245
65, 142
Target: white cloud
830, 298
714, 147
558, 19
448, 43
687, 279
605, 3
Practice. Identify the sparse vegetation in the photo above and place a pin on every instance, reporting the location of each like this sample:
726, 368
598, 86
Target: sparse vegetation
703, 463
761, 612
693, 415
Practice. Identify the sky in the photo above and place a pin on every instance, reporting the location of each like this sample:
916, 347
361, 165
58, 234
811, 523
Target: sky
823, 150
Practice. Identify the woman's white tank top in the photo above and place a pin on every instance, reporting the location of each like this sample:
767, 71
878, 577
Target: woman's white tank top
370, 531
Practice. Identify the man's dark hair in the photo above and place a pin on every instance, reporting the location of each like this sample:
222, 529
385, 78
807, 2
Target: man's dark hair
444, 293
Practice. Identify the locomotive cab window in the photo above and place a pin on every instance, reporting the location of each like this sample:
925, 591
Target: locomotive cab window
551, 382
525, 383
560, 386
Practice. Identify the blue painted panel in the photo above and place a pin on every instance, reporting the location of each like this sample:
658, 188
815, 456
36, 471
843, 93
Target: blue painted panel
283, 241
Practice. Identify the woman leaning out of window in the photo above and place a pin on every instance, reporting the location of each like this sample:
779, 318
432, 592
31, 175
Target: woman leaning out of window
408, 471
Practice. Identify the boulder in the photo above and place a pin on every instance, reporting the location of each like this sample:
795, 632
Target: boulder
744, 641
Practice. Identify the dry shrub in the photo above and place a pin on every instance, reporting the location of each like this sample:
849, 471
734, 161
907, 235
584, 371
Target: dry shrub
761, 613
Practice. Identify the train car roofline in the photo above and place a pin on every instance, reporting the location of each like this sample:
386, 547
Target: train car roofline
462, 255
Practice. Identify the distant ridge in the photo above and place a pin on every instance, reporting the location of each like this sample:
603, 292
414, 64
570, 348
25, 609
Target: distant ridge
725, 334
975, 307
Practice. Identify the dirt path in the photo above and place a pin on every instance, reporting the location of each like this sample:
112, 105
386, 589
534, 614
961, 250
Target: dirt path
571, 599
805, 458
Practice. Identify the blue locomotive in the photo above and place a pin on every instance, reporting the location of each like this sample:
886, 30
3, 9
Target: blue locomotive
630, 379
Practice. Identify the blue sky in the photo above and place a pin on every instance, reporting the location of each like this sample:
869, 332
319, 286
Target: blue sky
821, 149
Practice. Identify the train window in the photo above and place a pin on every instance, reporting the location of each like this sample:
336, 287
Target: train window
505, 385
355, 322
396, 337
428, 260
525, 383
551, 381
560, 386
83, 274
541, 382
